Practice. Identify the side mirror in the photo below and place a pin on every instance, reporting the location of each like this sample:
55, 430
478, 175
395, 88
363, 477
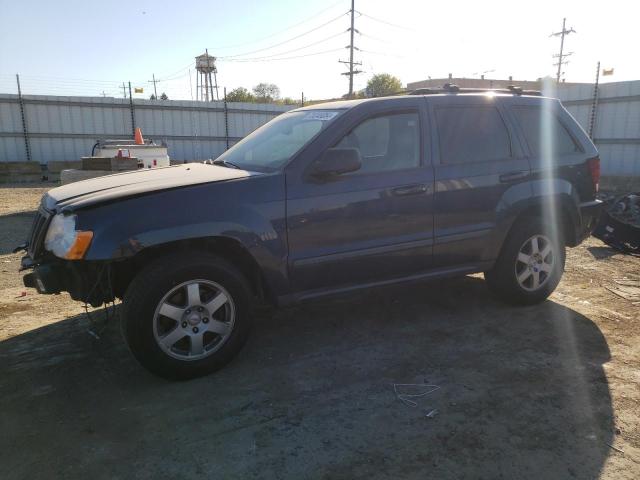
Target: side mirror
336, 161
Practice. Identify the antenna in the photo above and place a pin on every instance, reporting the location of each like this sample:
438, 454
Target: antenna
561, 56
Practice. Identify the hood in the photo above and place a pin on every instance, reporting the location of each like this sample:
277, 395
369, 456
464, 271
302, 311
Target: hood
121, 185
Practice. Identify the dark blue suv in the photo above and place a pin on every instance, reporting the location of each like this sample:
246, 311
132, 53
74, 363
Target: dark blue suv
323, 199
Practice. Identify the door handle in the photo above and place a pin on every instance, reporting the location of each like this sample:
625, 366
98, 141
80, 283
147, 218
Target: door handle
513, 176
410, 190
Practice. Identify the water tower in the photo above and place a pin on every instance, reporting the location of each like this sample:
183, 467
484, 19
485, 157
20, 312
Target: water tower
205, 66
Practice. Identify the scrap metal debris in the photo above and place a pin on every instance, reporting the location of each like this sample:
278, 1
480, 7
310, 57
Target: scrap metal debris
619, 224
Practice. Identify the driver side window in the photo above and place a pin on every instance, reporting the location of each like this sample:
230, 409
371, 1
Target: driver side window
386, 142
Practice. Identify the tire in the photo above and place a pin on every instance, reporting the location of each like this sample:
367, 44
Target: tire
513, 277
186, 315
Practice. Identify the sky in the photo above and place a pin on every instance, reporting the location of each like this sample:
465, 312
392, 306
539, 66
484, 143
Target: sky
89, 48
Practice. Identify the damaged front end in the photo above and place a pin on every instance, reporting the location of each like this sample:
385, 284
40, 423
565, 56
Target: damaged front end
53, 249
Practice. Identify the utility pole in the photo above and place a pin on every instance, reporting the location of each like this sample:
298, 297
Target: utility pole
594, 103
124, 90
561, 56
154, 81
351, 63
23, 117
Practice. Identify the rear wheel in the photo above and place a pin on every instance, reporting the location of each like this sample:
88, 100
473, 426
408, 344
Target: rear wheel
186, 315
530, 264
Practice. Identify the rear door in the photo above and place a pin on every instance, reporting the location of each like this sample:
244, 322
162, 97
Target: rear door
477, 160
372, 224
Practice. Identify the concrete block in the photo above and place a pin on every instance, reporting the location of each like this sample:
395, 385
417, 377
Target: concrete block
115, 164
58, 166
70, 176
13, 168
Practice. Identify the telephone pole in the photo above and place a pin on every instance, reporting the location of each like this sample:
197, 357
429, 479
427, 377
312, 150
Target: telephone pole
351, 63
561, 56
124, 90
154, 81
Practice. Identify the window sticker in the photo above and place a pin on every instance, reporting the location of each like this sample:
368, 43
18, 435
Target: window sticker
322, 115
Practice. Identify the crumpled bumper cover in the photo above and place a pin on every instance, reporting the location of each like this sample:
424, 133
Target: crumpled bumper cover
46, 278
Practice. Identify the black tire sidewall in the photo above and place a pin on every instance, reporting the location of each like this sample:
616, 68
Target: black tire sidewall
502, 278
147, 290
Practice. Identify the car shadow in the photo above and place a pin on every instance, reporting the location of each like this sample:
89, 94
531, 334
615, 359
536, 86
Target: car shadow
12, 226
600, 253
522, 394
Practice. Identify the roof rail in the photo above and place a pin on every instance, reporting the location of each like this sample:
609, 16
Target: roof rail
452, 88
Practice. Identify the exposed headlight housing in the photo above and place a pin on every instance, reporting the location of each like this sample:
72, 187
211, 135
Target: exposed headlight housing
64, 241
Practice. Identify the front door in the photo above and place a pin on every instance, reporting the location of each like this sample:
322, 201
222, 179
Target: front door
372, 224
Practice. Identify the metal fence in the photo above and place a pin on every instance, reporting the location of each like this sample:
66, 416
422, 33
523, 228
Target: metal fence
616, 117
48, 128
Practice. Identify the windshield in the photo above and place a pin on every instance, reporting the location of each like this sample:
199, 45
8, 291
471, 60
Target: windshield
271, 146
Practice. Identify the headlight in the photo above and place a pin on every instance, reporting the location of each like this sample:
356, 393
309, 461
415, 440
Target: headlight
64, 241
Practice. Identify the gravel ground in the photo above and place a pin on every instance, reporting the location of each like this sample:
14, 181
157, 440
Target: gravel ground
549, 391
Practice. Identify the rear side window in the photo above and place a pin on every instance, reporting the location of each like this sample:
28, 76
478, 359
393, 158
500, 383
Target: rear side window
472, 134
386, 142
544, 130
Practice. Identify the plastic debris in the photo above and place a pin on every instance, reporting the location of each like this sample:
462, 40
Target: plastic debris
432, 413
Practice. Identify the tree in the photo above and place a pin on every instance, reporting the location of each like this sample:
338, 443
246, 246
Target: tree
383, 84
266, 92
152, 97
164, 96
240, 94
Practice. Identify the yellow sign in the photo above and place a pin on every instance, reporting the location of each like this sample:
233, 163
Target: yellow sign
607, 71
138, 90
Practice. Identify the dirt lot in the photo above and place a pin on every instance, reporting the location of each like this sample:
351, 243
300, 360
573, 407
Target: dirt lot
550, 391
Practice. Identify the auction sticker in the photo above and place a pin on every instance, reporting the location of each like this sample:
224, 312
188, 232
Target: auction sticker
323, 115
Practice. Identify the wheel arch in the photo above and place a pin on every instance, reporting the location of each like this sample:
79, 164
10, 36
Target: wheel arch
560, 207
230, 249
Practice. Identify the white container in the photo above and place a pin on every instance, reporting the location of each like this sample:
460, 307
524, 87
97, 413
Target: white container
150, 156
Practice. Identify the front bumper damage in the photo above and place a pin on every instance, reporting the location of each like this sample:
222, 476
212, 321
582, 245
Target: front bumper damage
88, 282
46, 278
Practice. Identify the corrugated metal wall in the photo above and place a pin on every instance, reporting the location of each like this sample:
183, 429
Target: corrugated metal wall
617, 125
65, 128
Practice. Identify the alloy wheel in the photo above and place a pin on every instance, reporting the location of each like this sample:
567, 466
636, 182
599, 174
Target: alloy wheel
194, 320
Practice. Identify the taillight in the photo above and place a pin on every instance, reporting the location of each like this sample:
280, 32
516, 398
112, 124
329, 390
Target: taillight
594, 169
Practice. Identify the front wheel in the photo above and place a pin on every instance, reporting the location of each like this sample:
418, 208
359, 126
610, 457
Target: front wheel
530, 264
186, 315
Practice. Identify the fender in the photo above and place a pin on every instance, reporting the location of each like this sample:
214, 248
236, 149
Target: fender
551, 197
253, 215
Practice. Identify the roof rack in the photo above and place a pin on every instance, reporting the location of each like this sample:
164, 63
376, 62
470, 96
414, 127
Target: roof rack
452, 88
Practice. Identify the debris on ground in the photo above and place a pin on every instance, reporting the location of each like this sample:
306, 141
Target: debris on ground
619, 224
406, 397
432, 413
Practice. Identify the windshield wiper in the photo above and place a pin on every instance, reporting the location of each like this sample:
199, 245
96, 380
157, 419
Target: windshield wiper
225, 163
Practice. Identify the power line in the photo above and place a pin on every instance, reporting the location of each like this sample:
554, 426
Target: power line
268, 59
313, 17
387, 23
168, 77
289, 51
285, 41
